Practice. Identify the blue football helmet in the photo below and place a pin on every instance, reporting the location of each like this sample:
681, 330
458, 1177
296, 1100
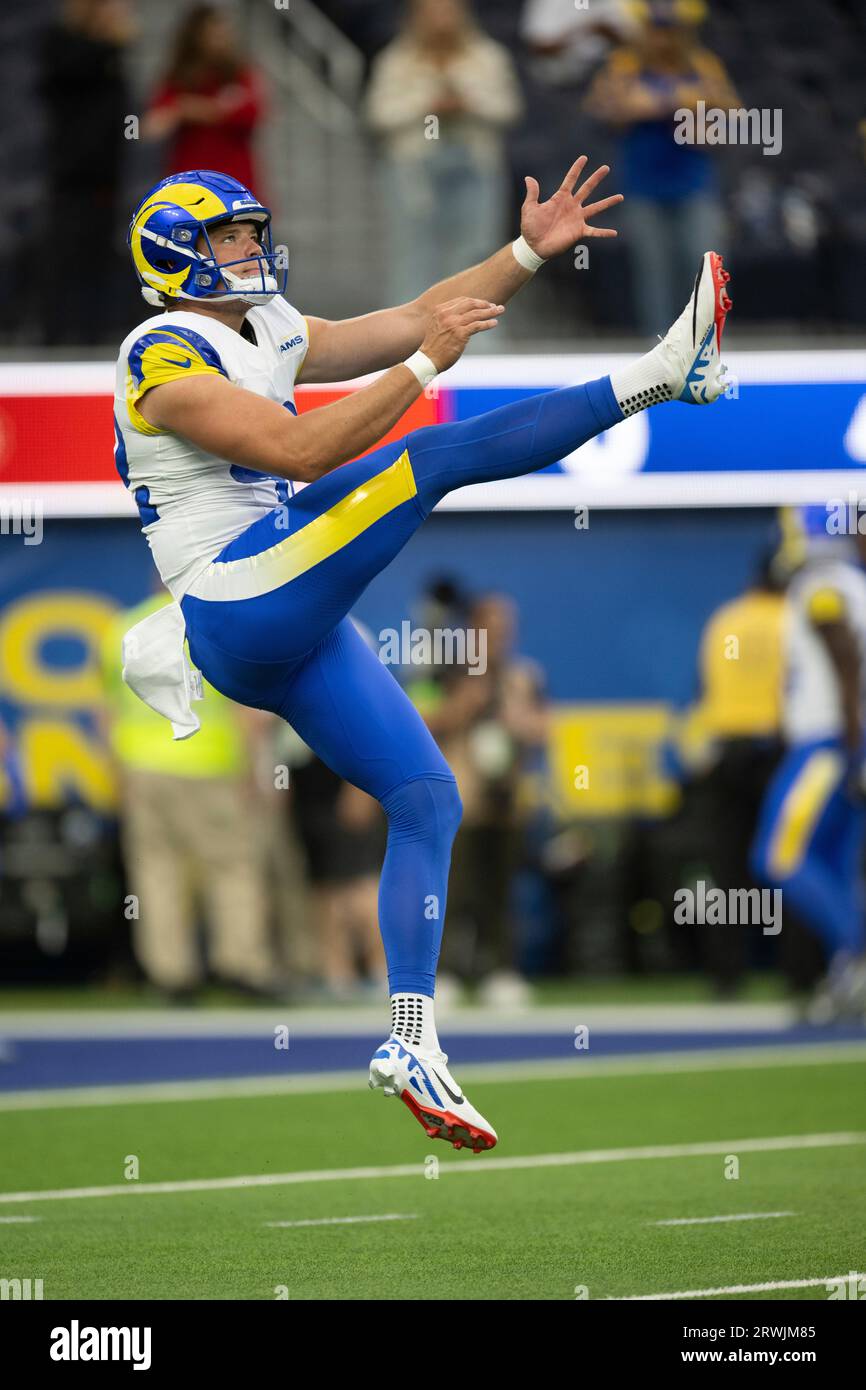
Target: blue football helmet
811, 532
165, 228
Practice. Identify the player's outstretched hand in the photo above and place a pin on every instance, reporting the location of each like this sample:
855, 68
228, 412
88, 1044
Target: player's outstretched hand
563, 220
453, 323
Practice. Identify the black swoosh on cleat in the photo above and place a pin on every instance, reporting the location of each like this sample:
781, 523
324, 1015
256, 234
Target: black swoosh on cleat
458, 1100
695, 305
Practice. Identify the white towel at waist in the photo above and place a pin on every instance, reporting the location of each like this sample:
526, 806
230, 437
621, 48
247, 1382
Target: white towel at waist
156, 667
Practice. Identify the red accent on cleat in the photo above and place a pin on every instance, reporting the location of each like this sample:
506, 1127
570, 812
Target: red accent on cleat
479, 1139
724, 303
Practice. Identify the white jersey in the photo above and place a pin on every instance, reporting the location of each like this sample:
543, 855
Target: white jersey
191, 502
822, 591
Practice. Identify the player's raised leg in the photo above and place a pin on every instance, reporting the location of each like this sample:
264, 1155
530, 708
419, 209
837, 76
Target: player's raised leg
530, 434
345, 527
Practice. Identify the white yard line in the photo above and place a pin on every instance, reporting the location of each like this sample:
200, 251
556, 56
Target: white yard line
711, 1220
17, 1220
770, 1144
738, 1288
582, 1066
343, 1220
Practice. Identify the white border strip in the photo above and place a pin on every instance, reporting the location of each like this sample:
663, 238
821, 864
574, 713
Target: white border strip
553, 492
57, 378
632, 491
565, 369
87, 500
798, 366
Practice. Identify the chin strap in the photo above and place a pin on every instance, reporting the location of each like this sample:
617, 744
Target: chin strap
260, 296
268, 287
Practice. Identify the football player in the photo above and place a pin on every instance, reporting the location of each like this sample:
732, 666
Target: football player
209, 442
812, 827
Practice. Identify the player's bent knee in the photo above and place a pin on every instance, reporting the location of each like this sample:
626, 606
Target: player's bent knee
428, 807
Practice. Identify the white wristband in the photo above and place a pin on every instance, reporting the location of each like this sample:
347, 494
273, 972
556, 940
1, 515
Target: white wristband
524, 253
419, 364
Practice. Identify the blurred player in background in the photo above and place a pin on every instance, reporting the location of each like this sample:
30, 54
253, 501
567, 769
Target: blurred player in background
207, 439
741, 659
812, 831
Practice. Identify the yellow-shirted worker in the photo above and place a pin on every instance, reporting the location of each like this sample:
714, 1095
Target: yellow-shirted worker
189, 833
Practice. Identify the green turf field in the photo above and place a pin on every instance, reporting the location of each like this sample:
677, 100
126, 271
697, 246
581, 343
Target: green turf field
479, 1231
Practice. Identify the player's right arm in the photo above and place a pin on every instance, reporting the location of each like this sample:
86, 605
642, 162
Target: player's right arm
244, 428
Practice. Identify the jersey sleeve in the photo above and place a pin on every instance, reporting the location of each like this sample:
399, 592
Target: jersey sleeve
166, 354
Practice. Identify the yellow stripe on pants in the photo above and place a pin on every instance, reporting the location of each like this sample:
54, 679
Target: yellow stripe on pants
801, 809
253, 575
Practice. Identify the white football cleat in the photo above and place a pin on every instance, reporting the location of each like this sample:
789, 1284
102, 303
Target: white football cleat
693, 344
423, 1082
841, 996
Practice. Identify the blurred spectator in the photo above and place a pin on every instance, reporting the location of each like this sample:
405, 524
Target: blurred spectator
673, 211
441, 96
191, 832
739, 721
342, 831
487, 723
209, 101
568, 43
83, 85
444, 606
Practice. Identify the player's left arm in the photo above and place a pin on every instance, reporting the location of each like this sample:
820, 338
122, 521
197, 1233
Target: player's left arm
348, 348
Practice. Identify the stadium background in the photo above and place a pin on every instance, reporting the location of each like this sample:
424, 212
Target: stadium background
682, 513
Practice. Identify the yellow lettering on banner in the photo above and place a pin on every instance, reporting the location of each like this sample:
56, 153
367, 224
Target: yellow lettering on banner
30, 622
59, 758
619, 745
